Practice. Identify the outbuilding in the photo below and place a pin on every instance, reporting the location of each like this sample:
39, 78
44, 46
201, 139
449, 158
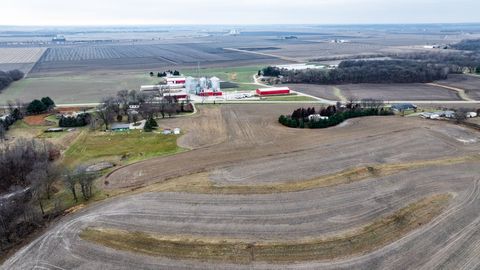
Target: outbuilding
120, 127
403, 107
273, 91
176, 80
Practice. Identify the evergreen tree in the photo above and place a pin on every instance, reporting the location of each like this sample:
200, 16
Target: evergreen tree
36, 107
48, 102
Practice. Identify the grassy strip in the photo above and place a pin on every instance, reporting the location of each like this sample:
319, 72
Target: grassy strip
373, 236
130, 146
290, 98
200, 183
232, 74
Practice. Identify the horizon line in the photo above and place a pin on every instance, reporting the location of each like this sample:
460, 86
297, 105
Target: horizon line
235, 24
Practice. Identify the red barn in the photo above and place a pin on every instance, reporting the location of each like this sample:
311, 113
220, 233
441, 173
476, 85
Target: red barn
210, 94
273, 91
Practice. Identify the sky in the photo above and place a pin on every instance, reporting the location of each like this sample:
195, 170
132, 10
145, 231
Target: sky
236, 12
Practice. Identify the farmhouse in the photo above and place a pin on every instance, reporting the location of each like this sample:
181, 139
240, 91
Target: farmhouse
176, 80
273, 91
404, 107
471, 114
317, 117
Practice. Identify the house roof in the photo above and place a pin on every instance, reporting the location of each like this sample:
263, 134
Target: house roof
120, 126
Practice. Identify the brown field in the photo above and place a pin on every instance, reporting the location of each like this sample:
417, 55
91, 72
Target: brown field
321, 91
368, 194
36, 120
140, 57
471, 84
398, 92
388, 92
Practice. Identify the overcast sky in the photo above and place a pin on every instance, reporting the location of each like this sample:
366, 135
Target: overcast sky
123, 12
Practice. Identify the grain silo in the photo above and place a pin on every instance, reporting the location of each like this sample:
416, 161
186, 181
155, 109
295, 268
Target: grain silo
215, 84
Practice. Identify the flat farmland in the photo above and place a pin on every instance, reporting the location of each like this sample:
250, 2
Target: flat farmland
19, 58
83, 88
308, 51
469, 83
370, 194
20, 55
130, 57
397, 92
322, 91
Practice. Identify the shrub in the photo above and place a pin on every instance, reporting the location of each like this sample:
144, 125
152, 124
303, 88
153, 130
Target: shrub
333, 120
80, 120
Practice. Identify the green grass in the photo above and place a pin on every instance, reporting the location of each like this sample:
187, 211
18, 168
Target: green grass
290, 98
234, 74
131, 145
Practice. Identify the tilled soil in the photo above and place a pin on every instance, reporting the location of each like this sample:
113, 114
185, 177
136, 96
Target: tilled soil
248, 146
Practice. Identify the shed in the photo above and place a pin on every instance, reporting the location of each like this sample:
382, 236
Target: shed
120, 127
54, 130
273, 91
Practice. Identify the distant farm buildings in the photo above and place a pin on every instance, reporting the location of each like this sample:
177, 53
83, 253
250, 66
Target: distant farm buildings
203, 86
59, 39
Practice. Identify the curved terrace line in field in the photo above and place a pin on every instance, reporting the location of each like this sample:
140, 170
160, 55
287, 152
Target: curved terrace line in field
200, 183
365, 239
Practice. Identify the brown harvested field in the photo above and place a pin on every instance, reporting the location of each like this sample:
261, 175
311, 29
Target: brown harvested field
469, 83
313, 50
398, 92
368, 194
322, 91
140, 57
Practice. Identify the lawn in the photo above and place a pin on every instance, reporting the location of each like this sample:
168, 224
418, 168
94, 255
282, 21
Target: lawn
290, 98
119, 147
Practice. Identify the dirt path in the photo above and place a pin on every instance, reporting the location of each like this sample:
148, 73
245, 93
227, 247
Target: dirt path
461, 92
266, 54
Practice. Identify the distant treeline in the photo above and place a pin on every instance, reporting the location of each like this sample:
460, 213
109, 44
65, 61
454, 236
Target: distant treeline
468, 45
300, 118
361, 71
457, 62
6, 78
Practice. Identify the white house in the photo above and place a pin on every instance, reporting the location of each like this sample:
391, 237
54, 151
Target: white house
317, 117
471, 114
